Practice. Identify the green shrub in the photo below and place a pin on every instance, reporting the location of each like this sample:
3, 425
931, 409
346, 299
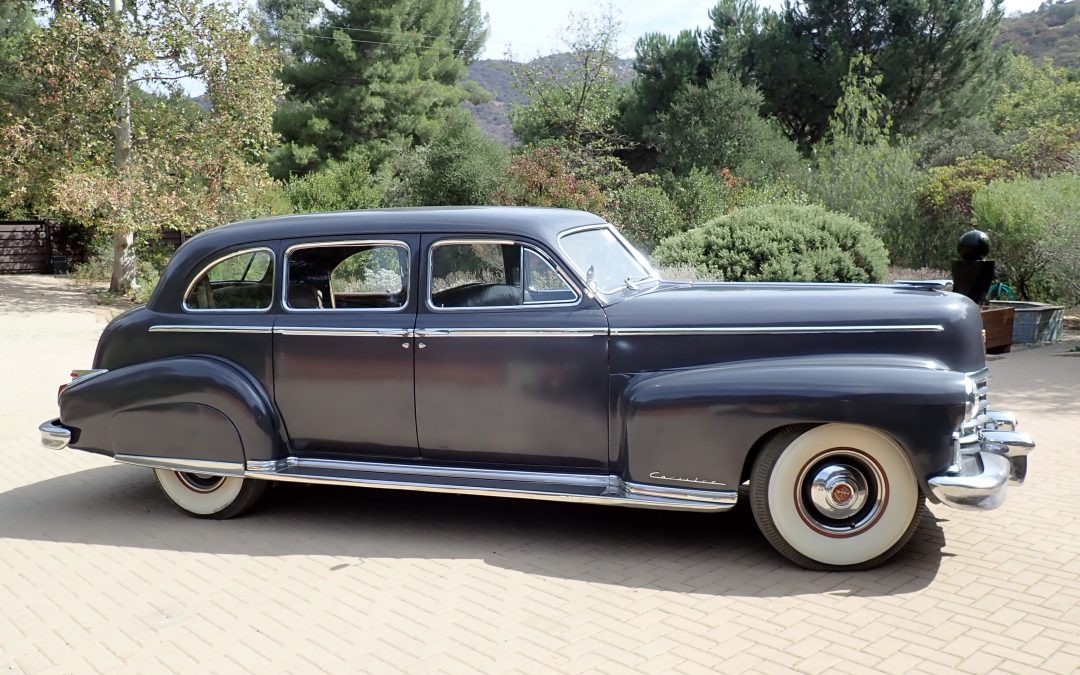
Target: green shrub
644, 214
1034, 228
352, 183
779, 243
877, 184
461, 166
945, 203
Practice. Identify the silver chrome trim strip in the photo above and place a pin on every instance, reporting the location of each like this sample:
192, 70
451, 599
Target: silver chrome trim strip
501, 242
257, 330
189, 465
718, 496
343, 332
395, 243
543, 477
510, 332
779, 330
611, 489
197, 277
54, 436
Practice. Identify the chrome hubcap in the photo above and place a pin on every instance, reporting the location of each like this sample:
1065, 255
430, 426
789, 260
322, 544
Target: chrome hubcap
200, 482
838, 491
842, 492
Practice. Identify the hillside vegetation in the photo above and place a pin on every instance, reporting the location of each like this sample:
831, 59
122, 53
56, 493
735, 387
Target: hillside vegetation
1052, 31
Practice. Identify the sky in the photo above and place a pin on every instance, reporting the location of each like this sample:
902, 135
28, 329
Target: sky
534, 27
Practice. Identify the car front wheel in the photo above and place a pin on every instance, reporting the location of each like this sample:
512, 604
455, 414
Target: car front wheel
205, 496
835, 497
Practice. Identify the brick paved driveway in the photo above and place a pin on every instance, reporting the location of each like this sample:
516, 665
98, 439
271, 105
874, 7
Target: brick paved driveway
98, 573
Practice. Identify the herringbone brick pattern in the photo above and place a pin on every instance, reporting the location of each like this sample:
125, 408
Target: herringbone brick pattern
99, 574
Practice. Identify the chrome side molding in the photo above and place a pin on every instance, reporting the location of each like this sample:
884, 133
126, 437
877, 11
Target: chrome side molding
187, 465
579, 488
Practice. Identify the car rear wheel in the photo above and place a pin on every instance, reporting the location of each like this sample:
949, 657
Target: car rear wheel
205, 496
835, 497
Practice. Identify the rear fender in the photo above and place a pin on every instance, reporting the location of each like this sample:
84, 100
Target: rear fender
700, 425
198, 408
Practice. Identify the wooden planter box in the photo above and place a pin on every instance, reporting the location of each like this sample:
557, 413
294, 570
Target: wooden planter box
998, 329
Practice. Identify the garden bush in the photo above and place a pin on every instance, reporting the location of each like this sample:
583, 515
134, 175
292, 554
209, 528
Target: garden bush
1034, 228
779, 243
644, 214
878, 184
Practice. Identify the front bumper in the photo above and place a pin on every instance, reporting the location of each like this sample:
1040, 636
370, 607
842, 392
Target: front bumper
53, 435
989, 457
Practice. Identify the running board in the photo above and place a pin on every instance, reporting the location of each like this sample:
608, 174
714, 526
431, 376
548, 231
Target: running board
581, 488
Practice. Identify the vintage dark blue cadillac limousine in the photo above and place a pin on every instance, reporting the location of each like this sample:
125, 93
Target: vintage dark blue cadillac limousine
534, 353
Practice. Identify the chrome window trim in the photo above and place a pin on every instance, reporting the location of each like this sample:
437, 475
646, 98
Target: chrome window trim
343, 332
194, 280
777, 330
634, 253
397, 243
501, 242
172, 328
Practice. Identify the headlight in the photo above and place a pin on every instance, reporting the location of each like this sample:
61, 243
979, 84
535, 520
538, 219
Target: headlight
971, 398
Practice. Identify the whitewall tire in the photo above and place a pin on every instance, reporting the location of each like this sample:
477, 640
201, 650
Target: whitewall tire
205, 496
836, 496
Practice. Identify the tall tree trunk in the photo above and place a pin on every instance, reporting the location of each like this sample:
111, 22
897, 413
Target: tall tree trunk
123, 267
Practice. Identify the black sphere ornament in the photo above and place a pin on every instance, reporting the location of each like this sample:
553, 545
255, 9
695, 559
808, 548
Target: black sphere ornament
974, 245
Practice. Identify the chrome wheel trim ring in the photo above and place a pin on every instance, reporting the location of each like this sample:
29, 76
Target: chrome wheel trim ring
841, 492
200, 482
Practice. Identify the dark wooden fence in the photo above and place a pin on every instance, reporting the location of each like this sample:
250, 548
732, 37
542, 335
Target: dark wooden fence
25, 247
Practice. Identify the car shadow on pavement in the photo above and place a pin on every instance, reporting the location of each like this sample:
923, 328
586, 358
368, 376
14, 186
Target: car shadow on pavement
715, 554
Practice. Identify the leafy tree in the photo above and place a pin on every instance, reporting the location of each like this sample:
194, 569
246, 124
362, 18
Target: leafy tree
544, 176
936, 59
184, 166
1034, 225
664, 67
461, 166
717, 126
368, 73
575, 101
16, 27
1037, 95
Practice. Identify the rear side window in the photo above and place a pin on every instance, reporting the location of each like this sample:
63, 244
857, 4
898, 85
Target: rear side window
354, 275
243, 281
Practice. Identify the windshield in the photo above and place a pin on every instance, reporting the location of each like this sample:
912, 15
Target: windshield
604, 260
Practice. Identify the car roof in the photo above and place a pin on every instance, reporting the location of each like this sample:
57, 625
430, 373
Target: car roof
541, 223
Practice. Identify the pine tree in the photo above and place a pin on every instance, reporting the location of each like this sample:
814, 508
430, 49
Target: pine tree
368, 73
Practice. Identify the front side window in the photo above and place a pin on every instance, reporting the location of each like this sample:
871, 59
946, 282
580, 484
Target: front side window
347, 276
243, 281
494, 274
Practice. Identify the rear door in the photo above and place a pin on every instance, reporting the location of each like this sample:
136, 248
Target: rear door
343, 354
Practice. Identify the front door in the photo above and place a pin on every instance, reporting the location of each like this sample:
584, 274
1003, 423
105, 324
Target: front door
511, 359
343, 356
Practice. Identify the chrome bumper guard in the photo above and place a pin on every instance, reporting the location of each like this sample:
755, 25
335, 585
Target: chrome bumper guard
53, 435
990, 456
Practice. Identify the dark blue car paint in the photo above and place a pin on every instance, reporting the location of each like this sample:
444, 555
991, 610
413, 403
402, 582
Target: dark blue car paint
641, 406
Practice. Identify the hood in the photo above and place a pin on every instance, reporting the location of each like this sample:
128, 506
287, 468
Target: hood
800, 318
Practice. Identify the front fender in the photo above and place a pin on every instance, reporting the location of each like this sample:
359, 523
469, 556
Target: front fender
185, 408
700, 424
